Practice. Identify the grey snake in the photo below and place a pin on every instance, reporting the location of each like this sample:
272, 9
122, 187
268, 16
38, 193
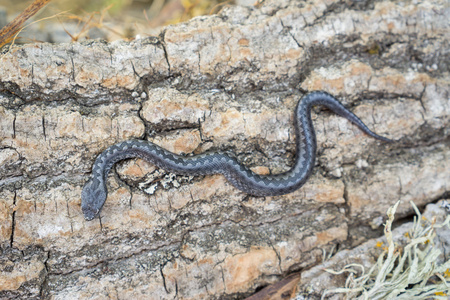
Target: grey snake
94, 192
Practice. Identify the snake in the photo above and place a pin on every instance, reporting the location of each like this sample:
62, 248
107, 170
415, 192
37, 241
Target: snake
94, 192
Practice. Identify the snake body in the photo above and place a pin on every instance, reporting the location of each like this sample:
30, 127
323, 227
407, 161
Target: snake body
94, 192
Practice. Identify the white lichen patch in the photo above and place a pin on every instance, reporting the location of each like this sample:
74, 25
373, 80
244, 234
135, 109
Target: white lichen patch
412, 271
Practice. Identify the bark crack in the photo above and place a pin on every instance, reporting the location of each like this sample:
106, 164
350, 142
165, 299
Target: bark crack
421, 100
163, 45
13, 220
44, 281
73, 69
277, 254
14, 127
290, 34
134, 71
163, 279
43, 128
345, 195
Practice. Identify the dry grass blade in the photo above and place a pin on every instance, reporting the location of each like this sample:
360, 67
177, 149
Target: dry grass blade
7, 33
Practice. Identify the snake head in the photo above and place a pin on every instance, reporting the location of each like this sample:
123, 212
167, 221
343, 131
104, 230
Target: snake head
93, 196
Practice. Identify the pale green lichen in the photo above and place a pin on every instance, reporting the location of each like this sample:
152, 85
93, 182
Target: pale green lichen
408, 272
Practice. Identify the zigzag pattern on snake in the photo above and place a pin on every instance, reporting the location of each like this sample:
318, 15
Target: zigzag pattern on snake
94, 192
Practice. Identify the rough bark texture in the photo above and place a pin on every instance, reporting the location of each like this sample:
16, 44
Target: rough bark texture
229, 82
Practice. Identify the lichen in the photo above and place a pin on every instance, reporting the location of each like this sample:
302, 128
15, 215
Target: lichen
402, 272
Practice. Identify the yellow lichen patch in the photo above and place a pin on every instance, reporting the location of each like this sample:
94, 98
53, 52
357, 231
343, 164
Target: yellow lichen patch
447, 273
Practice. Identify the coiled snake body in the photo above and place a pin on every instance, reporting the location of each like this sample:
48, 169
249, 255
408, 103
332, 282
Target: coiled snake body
94, 192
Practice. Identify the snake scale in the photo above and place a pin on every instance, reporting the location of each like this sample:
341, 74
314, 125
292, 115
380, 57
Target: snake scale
94, 192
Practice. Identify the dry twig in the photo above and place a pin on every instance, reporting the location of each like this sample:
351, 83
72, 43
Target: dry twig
8, 32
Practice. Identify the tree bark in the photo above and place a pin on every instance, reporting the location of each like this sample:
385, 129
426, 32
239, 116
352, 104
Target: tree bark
223, 82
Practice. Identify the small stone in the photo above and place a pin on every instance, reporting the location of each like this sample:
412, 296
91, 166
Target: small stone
362, 163
337, 172
377, 222
151, 189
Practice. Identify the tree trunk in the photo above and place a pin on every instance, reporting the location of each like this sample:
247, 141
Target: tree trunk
222, 82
